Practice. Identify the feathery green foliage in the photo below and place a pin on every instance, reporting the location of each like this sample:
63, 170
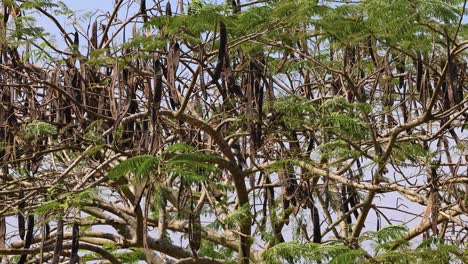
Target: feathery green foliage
295, 111
410, 151
211, 250
93, 132
48, 207
131, 257
238, 216
140, 166
180, 160
295, 252
30, 4
335, 149
386, 237
334, 115
430, 251
36, 128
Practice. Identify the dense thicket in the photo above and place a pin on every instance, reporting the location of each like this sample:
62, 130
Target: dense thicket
250, 131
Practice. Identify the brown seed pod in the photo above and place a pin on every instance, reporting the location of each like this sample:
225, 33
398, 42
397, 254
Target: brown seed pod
28, 239
74, 258
183, 197
158, 89
195, 232
58, 242
168, 9
221, 52
143, 10
21, 220
94, 41
76, 40
172, 65
317, 234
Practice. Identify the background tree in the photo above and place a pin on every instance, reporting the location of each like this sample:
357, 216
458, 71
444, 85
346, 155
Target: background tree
249, 131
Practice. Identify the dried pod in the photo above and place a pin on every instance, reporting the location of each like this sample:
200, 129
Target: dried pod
76, 40
58, 242
6, 14
168, 9
94, 35
419, 74
158, 89
74, 258
172, 65
221, 52
317, 234
195, 232
143, 10
28, 239
21, 220
182, 198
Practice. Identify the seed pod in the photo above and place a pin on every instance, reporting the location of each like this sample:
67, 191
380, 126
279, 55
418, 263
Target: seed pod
47, 231
94, 36
168, 9
21, 221
195, 232
105, 38
455, 90
76, 40
143, 10
401, 69
228, 78
58, 242
221, 52
419, 74
317, 234
235, 6
158, 89
21, 226
182, 198
74, 258
6, 14
173, 59
345, 203
258, 125
28, 239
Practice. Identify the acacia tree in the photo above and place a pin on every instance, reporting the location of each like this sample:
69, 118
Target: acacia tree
250, 131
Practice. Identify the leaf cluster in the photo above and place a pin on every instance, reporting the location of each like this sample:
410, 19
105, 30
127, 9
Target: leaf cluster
429, 251
178, 160
335, 115
37, 129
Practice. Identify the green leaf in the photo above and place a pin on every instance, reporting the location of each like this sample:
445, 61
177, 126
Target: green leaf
139, 165
48, 207
31, 4
131, 257
36, 128
179, 148
238, 216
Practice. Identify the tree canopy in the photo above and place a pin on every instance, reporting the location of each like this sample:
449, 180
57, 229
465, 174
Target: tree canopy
292, 131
